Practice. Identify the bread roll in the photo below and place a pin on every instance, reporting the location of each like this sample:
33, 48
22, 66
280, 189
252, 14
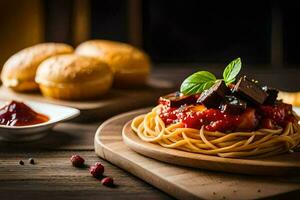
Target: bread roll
18, 72
290, 97
131, 66
73, 77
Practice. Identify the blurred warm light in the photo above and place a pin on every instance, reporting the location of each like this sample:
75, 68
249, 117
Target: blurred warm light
21, 25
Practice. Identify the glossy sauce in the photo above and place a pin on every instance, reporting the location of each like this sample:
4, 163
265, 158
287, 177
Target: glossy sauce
19, 114
253, 118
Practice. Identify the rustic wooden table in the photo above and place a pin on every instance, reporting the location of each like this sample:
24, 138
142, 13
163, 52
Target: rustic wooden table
53, 177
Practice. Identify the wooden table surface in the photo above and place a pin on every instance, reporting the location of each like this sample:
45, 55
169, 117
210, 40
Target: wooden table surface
53, 177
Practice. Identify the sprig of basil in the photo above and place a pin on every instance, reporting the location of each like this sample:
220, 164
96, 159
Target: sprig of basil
203, 80
197, 83
232, 70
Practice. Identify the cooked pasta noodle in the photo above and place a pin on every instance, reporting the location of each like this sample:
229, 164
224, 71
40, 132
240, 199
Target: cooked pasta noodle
263, 142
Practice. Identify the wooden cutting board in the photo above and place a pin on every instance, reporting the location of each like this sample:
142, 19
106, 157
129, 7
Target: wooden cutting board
116, 101
183, 182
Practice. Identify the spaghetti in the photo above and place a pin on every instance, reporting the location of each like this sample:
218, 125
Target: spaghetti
260, 143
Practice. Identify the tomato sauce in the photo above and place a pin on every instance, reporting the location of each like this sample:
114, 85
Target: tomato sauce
253, 118
19, 114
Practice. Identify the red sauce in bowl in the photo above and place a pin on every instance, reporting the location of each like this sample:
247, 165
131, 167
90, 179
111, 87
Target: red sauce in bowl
19, 114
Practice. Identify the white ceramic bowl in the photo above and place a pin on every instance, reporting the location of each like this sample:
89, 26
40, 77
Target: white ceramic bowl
55, 113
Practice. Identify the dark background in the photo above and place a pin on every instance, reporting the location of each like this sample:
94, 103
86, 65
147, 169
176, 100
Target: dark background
193, 30
178, 31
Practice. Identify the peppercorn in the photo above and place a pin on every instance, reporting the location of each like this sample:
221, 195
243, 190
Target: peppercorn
31, 161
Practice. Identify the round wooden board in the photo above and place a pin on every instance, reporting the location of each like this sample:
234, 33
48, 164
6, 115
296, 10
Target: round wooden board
186, 182
288, 163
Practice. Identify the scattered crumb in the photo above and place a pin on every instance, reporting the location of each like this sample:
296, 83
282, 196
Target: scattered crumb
234, 190
224, 197
258, 190
214, 193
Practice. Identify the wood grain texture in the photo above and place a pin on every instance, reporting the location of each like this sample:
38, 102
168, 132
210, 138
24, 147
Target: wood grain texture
182, 182
116, 101
53, 177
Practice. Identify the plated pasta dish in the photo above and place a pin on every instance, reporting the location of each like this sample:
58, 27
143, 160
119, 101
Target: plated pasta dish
229, 117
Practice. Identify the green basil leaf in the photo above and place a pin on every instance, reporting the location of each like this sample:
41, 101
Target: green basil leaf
197, 82
208, 85
232, 70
